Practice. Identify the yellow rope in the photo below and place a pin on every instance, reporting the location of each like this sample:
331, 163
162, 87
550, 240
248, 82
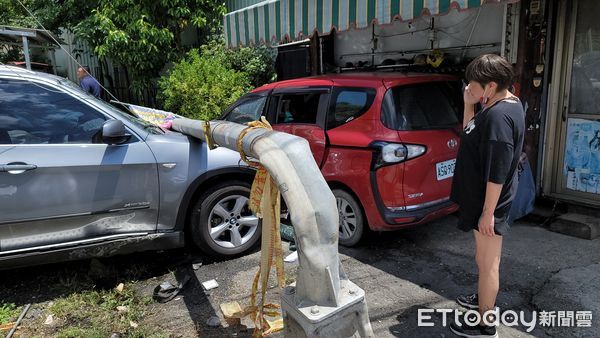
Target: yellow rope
265, 203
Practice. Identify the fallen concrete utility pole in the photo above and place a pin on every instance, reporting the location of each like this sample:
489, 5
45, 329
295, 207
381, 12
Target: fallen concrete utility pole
322, 302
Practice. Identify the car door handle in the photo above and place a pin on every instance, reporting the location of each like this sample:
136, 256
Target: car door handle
16, 169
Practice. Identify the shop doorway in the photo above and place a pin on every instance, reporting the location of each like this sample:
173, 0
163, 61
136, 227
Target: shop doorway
573, 136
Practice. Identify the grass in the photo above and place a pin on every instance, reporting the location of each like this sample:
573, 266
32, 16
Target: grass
8, 313
93, 313
83, 301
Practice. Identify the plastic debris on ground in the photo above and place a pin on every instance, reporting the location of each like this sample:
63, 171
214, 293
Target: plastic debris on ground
291, 258
210, 284
166, 291
49, 320
274, 325
120, 287
232, 310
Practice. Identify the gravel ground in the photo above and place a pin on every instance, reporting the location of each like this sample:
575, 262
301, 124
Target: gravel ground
401, 272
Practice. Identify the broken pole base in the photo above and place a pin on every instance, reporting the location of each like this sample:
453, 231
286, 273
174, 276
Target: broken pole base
351, 317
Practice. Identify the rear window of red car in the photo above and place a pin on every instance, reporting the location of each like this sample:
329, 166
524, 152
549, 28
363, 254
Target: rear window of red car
433, 105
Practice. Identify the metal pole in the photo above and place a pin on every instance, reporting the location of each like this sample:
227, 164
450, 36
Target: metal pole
322, 302
53, 56
23, 313
26, 52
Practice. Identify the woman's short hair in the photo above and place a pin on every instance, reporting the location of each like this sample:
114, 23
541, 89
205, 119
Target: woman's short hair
488, 68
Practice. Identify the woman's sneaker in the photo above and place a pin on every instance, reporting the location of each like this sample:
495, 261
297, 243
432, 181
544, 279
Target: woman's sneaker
470, 301
474, 331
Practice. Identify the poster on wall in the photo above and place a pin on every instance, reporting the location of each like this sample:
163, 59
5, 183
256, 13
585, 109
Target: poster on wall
582, 155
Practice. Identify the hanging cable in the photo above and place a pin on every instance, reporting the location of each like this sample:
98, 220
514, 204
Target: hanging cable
61, 47
451, 35
471, 34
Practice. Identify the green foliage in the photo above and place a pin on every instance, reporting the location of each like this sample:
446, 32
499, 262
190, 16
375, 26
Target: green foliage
201, 86
52, 14
257, 62
13, 14
8, 313
145, 35
93, 313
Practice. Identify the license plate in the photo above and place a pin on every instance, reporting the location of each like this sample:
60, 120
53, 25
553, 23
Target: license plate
445, 169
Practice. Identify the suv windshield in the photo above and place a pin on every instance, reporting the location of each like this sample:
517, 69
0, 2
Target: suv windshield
434, 105
141, 123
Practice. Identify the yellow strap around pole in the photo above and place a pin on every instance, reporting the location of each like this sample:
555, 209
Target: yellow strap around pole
265, 203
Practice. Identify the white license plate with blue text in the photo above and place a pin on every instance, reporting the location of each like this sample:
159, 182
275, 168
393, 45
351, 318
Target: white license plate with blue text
445, 169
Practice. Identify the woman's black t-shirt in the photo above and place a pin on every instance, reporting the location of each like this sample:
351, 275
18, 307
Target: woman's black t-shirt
490, 148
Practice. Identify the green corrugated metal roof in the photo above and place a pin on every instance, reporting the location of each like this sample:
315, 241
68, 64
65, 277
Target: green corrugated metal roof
275, 21
234, 5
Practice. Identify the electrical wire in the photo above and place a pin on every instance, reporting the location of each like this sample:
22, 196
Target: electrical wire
61, 47
87, 98
400, 34
462, 22
452, 36
470, 35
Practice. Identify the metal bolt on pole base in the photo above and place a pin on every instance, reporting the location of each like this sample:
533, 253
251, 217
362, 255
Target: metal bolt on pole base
349, 318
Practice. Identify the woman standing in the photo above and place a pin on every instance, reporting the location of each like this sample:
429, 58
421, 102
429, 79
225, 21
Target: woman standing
485, 178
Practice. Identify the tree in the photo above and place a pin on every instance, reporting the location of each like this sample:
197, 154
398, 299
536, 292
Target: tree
13, 14
202, 86
53, 15
145, 35
257, 62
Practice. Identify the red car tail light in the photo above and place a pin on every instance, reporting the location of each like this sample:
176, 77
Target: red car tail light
392, 153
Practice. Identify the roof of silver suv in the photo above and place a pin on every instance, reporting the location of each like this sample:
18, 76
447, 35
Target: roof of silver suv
13, 71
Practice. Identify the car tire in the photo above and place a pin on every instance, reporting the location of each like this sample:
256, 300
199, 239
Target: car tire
352, 225
220, 225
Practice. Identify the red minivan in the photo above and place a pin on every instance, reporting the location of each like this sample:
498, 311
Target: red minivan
385, 142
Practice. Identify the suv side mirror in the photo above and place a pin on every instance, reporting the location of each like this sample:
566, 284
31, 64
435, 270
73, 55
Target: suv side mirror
113, 132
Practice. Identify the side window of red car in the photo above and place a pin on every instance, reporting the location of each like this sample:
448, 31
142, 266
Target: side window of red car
247, 110
298, 108
348, 103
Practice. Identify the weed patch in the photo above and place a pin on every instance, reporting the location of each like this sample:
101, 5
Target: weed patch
98, 313
8, 313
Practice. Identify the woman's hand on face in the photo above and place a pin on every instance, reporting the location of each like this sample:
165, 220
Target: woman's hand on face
468, 97
486, 224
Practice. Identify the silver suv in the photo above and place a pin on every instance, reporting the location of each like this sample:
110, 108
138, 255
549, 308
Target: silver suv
80, 178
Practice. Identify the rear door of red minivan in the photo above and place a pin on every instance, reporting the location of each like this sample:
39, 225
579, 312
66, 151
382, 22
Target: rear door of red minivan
427, 117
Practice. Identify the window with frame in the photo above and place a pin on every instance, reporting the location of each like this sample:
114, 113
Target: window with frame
348, 104
298, 108
435, 105
32, 113
248, 110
